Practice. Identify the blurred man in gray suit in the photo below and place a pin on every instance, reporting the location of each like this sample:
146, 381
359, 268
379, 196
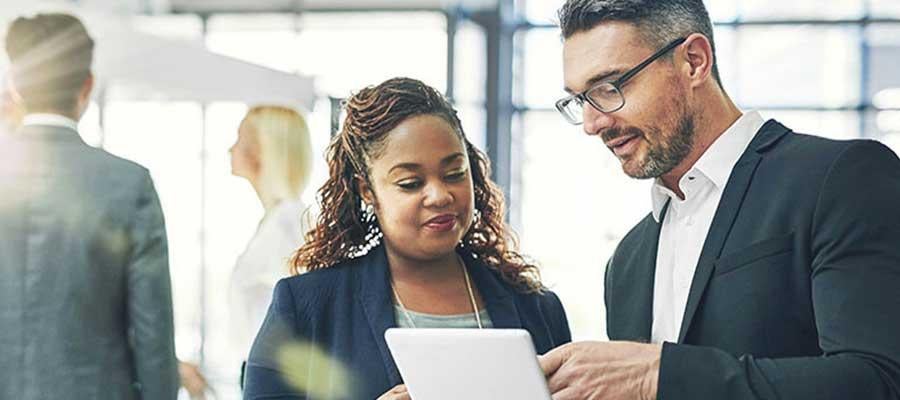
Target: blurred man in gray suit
85, 294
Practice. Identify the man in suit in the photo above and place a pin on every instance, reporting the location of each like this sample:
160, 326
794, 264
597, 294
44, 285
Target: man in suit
85, 293
769, 266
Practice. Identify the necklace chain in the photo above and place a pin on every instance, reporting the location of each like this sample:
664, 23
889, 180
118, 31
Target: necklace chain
468, 288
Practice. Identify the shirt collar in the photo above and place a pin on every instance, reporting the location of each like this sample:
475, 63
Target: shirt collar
717, 161
45, 119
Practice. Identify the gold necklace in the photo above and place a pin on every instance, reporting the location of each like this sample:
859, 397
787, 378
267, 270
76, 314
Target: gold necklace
468, 288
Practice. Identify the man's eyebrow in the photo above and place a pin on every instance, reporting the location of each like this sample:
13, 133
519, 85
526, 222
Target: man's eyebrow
599, 77
604, 75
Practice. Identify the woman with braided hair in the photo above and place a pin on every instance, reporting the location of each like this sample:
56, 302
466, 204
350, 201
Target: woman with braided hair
410, 234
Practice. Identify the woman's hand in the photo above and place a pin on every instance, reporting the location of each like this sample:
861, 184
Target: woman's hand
397, 393
192, 380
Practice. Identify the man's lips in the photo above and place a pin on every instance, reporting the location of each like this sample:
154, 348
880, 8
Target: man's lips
619, 140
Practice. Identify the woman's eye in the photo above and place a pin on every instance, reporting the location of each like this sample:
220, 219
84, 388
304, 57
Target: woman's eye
456, 176
409, 185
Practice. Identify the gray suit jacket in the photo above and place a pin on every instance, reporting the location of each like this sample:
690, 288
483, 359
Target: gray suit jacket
85, 294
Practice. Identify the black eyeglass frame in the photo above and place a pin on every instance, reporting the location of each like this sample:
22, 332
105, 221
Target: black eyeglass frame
582, 97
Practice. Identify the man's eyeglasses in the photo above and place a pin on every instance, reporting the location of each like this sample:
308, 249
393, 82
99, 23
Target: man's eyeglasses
606, 97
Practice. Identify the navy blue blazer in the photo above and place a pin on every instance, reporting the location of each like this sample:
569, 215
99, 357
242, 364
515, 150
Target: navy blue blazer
345, 310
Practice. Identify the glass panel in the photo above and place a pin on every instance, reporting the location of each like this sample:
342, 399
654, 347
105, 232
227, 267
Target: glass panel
726, 56
470, 64
885, 127
722, 10
797, 66
572, 184
830, 124
538, 75
884, 8
474, 122
884, 54
166, 140
330, 48
800, 9
543, 11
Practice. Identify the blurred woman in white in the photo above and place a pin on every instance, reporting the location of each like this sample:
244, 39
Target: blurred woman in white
274, 153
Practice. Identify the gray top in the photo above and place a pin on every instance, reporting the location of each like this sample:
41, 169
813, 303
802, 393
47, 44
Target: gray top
85, 294
423, 320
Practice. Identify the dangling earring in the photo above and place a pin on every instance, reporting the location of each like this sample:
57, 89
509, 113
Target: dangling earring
370, 221
476, 217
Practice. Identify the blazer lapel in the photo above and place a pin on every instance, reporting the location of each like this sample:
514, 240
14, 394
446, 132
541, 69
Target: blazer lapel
497, 297
374, 288
729, 205
631, 299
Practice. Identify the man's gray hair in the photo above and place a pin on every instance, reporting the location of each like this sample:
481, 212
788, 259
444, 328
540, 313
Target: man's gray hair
658, 21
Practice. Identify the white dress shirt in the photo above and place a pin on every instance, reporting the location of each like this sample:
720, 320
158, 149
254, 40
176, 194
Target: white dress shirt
687, 222
50, 120
260, 266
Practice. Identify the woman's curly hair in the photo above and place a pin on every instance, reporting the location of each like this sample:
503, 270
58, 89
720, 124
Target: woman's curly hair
342, 232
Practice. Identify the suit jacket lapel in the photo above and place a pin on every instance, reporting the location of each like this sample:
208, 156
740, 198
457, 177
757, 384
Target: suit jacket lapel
631, 299
729, 205
374, 288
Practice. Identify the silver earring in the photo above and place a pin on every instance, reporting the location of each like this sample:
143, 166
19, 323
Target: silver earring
370, 221
368, 213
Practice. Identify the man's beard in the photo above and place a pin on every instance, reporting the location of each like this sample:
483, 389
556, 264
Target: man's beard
663, 154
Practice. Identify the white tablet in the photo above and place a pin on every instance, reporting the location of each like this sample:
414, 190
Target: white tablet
472, 364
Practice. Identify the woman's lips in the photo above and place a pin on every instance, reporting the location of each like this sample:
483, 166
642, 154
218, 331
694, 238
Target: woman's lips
441, 223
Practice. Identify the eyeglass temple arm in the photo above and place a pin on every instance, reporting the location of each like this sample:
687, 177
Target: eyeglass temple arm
649, 60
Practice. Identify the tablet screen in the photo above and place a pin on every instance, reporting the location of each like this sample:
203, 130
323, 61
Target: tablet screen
474, 364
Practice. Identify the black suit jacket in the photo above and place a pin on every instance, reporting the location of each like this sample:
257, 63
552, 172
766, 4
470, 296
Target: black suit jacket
345, 310
796, 294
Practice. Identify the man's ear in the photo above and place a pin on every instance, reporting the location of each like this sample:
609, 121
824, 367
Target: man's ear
699, 56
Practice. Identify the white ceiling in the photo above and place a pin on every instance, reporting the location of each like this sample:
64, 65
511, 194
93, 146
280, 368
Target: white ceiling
134, 65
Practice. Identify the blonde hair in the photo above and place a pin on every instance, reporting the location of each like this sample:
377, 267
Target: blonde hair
285, 149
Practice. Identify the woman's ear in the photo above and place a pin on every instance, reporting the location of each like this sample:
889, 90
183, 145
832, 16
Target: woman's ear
364, 190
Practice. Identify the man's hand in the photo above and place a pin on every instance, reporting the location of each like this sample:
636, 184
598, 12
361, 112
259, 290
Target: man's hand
602, 370
397, 393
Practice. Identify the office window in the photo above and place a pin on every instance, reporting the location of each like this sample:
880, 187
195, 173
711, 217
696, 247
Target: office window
798, 66
799, 9
885, 8
539, 68
469, 75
